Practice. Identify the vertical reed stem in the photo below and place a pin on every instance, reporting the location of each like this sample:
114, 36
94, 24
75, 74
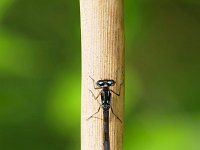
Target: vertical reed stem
102, 30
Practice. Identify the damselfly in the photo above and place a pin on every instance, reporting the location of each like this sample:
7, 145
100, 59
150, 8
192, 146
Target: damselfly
106, 98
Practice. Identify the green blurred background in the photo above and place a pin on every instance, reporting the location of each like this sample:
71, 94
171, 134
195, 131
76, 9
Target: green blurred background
40, 70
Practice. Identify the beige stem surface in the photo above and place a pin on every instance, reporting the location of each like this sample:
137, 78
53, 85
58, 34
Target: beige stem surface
102, 34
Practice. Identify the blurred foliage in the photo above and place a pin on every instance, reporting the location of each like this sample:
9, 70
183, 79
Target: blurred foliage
40, 57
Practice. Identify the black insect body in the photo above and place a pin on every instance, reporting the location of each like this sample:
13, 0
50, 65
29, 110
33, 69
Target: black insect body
106, 95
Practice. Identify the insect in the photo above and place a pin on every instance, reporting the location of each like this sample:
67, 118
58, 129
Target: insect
106, 95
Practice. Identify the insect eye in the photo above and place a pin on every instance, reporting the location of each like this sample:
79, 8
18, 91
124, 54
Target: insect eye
110, 82
101, 83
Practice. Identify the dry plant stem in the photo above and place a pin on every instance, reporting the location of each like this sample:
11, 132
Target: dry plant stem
102, 33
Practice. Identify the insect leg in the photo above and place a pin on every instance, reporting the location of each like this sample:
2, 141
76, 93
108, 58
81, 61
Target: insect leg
96, 97
115, 115
94, 114
118, 94
94, 83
